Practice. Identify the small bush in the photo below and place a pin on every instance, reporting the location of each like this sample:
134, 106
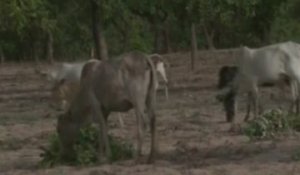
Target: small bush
296, 155
85, 150
269, 124
294, 121
51, 156
120, 151
86, 146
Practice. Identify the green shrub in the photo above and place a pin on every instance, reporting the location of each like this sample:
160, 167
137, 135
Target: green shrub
296, 155
294, 122
51, 156
85, 150
86, 146
120, 151
268, 125
272, 123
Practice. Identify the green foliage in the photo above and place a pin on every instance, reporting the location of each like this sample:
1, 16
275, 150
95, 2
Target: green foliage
267, 125
271, 124
86, 146
294, 122
134, 24
296, 155
286, 24
120, 151
51, 156
85, 150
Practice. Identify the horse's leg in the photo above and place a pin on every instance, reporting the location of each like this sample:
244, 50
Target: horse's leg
101, 117
121, 121
255, 100
249, 98
295, 97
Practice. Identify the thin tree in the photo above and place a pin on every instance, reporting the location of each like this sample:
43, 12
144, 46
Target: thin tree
98, 36
50, 47
193, 45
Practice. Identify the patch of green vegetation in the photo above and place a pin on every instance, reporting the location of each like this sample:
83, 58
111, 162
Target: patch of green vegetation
86, 147
85, 150
120, 151
296, 155
271, 124
52, 155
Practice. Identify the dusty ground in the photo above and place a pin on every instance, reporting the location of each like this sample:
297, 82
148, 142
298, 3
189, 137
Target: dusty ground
193, 137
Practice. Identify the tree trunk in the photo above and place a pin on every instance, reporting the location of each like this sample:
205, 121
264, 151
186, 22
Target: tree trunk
50, 47
266, 37
193, 45
103, 48
209, 38
2, 57
166, 37
156, 39
99, 41
93, 53
35, 51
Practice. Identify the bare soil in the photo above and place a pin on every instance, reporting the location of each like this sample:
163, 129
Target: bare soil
192, 133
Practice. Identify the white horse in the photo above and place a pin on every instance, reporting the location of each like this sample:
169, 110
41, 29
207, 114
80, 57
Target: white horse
269, 64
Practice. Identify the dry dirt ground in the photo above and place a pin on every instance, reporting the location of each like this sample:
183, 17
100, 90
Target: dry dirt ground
193, 137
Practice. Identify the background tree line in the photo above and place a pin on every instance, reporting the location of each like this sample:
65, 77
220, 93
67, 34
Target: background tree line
71, 29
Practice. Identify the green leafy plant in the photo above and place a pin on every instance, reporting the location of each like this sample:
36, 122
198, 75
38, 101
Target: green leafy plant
86, 146
268, 125
85, 149
272, 123
294, 122
120, 150
296, 155
51, 155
